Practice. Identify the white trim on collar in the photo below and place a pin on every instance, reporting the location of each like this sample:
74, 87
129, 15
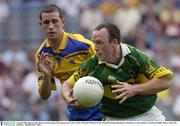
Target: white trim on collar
125, 51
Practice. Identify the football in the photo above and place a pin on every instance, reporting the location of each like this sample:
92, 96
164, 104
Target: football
88, 91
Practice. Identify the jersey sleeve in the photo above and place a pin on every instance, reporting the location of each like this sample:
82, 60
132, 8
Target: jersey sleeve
91, 49
84, 69
151, 69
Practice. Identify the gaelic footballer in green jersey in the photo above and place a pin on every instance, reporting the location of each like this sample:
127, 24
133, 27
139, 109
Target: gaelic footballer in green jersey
136, 68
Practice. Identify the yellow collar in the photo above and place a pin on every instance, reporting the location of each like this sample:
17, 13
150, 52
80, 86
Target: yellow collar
63, 42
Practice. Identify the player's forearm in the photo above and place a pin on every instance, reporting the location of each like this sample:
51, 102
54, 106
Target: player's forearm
45, 88
65, 90
153, 86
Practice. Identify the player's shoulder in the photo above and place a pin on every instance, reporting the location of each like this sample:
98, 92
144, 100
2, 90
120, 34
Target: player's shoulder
40, 47
80, 38
131, 48
134, 50
136, 54
93, 60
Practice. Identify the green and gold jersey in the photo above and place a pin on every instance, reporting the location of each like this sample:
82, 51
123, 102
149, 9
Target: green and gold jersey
134, 68
74, 49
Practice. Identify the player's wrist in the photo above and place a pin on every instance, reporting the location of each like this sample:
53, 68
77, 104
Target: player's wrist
47, 77
66, 97
137, 89
48, 74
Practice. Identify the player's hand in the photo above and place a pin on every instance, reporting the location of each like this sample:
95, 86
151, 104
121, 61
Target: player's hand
124, 91
72, 101
45, 64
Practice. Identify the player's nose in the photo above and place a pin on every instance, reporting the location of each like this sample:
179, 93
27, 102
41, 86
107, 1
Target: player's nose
51, 25
95, 47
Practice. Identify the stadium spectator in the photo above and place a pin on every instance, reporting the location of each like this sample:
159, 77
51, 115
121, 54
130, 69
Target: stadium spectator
15, 54
90, 17
4, 9
127, 18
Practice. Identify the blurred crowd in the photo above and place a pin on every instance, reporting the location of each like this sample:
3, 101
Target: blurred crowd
153, 26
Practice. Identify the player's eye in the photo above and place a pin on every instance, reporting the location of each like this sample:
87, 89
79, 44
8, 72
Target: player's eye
97, 42
54, 21
46, 22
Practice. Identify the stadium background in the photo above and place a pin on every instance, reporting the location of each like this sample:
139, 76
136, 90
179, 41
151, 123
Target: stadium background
153, 26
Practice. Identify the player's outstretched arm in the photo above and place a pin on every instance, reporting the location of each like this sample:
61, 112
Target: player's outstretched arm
45, 88
45, 66
67, 93
153, 86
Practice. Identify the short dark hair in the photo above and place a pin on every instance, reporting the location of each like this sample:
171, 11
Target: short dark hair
51, 8
113, 31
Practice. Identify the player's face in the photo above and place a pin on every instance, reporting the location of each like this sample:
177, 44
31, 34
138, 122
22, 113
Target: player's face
104, 49
52, 25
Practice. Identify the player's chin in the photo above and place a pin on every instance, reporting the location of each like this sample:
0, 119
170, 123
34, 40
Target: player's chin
52, 37
100, 58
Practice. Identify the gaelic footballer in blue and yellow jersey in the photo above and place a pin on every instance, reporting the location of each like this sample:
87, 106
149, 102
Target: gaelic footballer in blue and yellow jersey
74, 49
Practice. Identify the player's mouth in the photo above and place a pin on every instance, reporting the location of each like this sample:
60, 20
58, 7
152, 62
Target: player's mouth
51, 33
98, 54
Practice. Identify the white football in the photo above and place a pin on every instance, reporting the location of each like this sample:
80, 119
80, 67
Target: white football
88, 91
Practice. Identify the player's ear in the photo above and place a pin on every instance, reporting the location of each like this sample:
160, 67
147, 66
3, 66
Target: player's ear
115, 41
39, 22
63, 20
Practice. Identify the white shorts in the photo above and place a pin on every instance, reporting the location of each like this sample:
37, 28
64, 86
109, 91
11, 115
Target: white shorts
154, 114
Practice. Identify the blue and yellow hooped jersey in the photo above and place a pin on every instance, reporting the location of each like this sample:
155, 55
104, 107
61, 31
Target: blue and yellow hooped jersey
74, 49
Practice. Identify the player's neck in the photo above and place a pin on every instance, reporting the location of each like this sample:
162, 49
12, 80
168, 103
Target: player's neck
116, 56
56, 42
